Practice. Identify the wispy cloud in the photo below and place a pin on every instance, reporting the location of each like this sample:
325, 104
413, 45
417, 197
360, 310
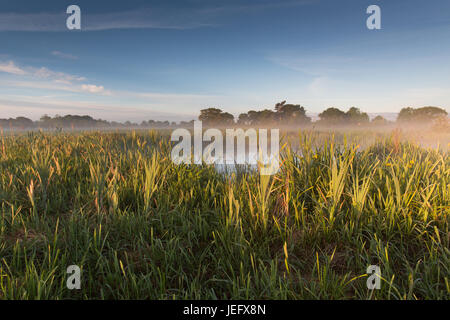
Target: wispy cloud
163, 16
57, 85
56, 22
244, 6
10, 67
62, 77
319, 85
44, 78
92, 88
113, 104
63, 55
42, 73
317, 65
40, 85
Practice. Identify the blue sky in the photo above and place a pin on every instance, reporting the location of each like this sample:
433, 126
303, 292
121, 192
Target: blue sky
136, 59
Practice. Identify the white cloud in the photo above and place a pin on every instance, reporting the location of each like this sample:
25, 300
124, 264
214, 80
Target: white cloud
10, 67
44, 78
43, 85
61, 77
40, 73
57, 85
92, 88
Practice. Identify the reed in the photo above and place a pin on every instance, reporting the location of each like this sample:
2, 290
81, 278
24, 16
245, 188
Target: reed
141, 227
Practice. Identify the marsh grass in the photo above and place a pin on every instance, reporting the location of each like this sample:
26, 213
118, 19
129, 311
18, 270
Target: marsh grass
141, 227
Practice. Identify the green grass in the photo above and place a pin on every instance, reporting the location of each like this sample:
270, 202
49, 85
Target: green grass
141, 227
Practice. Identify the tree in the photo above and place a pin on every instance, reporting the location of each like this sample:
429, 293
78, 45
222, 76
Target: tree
23, 122
379, 120
431, 113
355, 116
405, 115
215, 116
424, 114
243, 119
332, 116
19, 122
260, 117
279, 105
45, 118
291, 113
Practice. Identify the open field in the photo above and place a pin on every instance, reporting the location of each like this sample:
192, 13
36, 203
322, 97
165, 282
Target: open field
141, 227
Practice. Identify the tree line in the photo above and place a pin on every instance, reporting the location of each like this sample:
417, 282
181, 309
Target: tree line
295, 115
282, 114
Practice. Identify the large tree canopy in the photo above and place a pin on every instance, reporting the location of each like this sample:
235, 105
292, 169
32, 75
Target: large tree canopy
19, 122
215, 117
257, 117
291, 113
286, 114
332, 115
353, 116
424, 114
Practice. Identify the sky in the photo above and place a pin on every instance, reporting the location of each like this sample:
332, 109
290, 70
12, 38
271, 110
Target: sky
166, 60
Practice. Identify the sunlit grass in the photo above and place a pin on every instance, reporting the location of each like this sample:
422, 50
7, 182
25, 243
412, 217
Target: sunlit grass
141, 227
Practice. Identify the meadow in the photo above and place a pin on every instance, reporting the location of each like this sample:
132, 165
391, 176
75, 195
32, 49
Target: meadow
141, 227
